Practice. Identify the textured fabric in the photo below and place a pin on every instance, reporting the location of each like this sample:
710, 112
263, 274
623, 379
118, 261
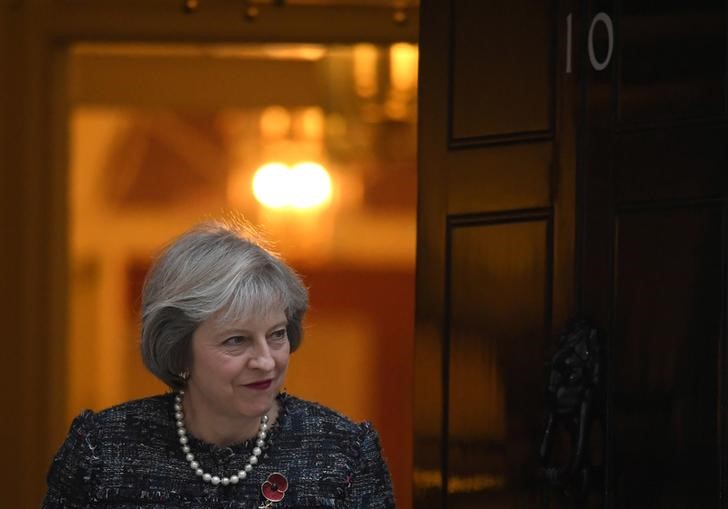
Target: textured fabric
129, 456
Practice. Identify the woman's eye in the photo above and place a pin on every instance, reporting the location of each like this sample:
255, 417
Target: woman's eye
234, 341
279, 334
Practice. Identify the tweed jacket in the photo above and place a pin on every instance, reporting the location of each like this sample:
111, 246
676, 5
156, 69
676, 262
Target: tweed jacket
129, 456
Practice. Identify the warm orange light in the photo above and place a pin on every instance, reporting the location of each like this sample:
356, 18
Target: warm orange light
310, 52
310, 186
403, 66
365, 69
275, 122
271, 185
305, 186
312, 123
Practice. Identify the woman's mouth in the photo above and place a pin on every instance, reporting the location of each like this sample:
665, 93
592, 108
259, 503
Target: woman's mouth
260, 385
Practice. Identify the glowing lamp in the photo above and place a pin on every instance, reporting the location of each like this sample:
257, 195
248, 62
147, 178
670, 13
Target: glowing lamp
305, 186
310, 186
270, 185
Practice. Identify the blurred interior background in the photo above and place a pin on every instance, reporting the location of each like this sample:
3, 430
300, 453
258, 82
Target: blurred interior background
314, 144
124, 123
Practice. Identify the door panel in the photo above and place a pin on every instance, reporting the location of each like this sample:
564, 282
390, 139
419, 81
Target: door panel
668, 58
517, 99
665, 353
499, 284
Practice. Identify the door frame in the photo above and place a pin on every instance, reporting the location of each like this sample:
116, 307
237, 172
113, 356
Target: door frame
34, 140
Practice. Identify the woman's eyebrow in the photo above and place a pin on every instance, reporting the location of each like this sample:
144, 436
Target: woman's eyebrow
225, 332
235, 330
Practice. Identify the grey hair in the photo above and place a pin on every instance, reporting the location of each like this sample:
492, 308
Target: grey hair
214, 268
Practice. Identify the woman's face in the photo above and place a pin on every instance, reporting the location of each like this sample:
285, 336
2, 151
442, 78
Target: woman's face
239, 366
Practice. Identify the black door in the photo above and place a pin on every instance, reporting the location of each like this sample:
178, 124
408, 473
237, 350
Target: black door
573, 159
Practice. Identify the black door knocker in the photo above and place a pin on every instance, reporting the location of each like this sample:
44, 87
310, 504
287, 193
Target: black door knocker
572, 406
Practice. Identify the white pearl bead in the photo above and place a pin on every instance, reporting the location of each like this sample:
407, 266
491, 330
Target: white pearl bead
262, 435
265, 418
215, 480
248, 467
199, 472
260, 443
263, 427
256, 451
225, 481
194, 465
178, 407
206, 477
185, 449
179, 416
234, 479
253, 460
242, 474
183, 440
181, 432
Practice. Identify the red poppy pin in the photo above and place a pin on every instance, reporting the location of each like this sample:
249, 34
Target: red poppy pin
274, 489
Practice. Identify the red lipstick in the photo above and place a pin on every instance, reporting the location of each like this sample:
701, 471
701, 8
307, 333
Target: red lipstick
259, 386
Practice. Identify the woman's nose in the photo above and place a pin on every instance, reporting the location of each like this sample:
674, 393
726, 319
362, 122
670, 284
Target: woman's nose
262, 358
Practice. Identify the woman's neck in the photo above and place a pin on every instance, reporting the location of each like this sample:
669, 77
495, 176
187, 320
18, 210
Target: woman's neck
204, 423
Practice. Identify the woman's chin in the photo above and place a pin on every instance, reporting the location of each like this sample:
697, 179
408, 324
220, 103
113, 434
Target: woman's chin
258, 407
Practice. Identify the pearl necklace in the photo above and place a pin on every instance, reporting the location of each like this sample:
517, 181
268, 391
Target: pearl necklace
195, 465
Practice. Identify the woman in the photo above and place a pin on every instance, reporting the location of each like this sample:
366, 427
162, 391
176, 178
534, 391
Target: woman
221, 316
